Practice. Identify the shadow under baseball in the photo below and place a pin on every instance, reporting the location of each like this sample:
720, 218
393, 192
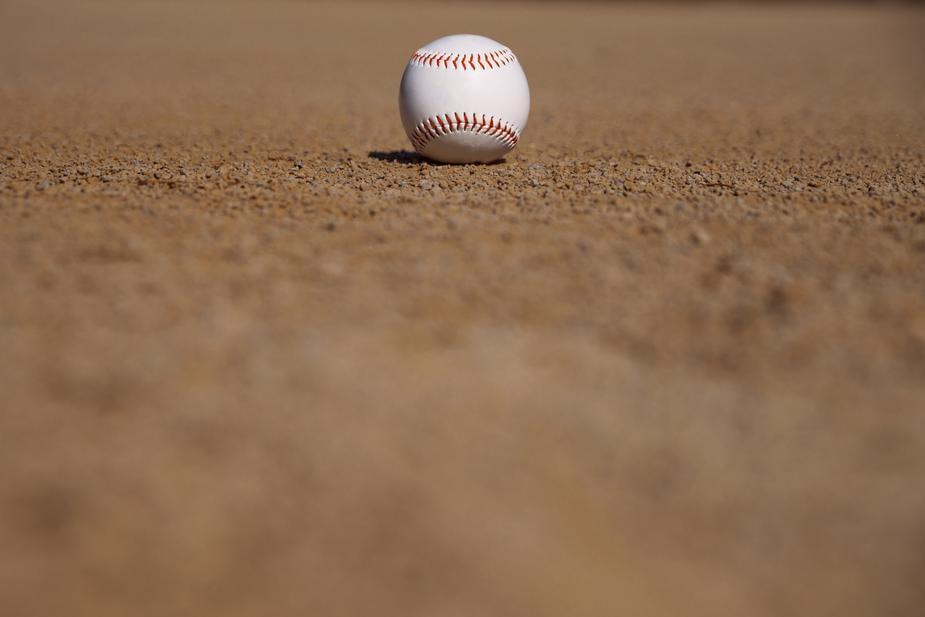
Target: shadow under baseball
402, 157
406, 157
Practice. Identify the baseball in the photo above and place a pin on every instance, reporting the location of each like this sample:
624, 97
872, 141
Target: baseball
464, 99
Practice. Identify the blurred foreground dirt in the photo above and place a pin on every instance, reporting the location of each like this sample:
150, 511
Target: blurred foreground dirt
256, 359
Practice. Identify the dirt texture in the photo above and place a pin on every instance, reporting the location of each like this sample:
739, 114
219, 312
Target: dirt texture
256, 358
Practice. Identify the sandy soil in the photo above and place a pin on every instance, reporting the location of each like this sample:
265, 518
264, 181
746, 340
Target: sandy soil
257, 359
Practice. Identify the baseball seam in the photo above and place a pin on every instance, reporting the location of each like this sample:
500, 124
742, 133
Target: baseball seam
467, 62
435, 127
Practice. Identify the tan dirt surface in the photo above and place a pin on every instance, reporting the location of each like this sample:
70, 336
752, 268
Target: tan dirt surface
257, 359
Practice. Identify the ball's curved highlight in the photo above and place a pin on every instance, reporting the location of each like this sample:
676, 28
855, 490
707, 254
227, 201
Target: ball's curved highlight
464, 99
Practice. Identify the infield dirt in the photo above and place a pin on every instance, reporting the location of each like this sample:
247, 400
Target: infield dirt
258, 359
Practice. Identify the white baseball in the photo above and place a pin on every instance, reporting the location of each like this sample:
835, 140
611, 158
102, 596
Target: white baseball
464, 99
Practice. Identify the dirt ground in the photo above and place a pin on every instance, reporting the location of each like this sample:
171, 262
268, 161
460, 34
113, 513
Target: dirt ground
258, 359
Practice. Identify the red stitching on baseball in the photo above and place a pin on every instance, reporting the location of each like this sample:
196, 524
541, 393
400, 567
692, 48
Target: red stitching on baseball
433, 128
487, 61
